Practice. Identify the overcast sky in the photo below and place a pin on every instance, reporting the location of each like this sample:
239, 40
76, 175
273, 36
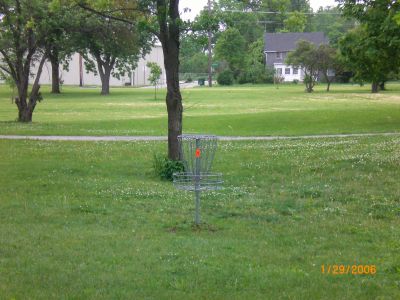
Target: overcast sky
197, 5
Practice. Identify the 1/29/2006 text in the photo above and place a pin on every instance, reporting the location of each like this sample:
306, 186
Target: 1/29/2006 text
348, 269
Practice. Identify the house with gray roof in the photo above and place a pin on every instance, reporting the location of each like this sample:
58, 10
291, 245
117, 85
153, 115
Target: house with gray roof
278, 45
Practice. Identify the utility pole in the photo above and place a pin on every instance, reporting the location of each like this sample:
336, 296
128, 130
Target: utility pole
209, 47
80, 71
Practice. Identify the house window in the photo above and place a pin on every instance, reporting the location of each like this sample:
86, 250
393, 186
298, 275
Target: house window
287, 71
295, 71
279, 55
279, 71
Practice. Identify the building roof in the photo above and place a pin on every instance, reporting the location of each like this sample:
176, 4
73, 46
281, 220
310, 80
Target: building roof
281, 42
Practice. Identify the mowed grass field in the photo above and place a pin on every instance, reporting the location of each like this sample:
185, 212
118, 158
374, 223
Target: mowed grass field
90, 220
86, 220
240, 110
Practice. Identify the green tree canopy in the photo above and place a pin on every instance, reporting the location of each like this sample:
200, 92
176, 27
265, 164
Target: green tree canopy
372, 50
154, 77
304, 57
330, 21
296, 22
22, 39
231, 47
110, 46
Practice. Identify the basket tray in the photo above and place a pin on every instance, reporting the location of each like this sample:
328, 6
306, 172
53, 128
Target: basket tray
203, 182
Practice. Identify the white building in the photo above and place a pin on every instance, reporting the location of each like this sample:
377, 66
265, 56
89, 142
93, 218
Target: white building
138, 78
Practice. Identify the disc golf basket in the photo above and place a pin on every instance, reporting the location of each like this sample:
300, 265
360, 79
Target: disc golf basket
197, 153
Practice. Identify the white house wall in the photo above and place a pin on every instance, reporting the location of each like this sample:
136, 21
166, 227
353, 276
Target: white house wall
138, 78
289, 77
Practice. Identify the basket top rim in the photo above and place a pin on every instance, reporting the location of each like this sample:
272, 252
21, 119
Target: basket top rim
203, 174
197, 136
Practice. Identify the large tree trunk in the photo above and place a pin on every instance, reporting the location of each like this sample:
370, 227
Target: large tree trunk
374, 87
55, 72
328, 81
105, 83
104, 67
174, 105
24, 113
25, 107
169, 38
309, 86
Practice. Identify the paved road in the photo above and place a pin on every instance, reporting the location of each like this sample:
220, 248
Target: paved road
164, 138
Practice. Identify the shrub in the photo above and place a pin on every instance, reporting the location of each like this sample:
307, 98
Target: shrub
242, 79
257, 74
165, 167
269, 74
295, 81
225, 77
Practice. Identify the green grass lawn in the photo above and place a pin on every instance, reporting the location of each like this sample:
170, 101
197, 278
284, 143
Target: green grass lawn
240, 110
85, 220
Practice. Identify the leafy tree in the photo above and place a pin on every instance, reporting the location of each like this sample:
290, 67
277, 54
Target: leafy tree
372, 50
110, 47
304, 57
198, 63
296, 22
231, 47
397, 18
58, 27
332, 23
205, 28
21, 38
289, 15
255, 70
314, 60
193, 58
154, 77
246, 23
327, 61
361, 55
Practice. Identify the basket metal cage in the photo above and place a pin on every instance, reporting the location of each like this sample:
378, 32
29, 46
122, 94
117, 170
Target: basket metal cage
197, 154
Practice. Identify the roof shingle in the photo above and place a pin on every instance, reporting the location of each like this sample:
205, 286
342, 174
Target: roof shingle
282, 42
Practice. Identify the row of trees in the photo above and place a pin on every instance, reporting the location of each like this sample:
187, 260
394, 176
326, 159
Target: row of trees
110, 34
33, 31
371, 51
364, 39
237, 29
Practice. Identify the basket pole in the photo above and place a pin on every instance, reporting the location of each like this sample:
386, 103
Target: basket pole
197, 184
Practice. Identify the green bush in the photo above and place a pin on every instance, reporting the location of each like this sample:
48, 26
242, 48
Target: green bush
225, 77
165, 167
257, 74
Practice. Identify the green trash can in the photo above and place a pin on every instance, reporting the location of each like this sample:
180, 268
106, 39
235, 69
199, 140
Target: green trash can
201, 81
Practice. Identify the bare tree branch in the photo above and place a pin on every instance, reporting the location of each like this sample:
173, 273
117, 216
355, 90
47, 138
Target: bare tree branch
108, 15
10, 65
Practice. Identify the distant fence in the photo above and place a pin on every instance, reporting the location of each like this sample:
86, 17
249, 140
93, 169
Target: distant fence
193, 76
